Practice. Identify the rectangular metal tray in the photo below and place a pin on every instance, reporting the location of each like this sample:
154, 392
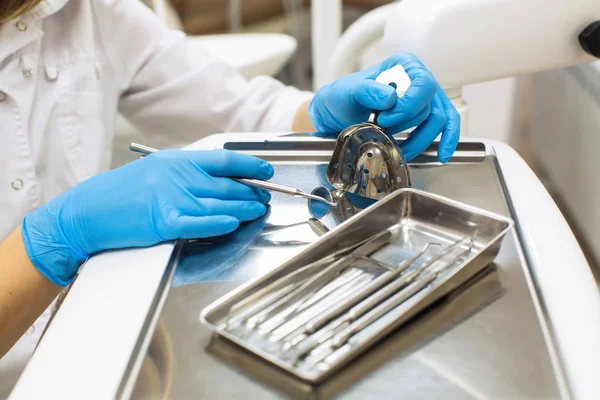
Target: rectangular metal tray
415, 217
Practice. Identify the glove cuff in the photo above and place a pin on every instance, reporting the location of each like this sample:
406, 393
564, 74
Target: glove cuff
48, 248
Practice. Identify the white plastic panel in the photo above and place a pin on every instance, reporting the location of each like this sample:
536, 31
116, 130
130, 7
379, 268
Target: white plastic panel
471, 41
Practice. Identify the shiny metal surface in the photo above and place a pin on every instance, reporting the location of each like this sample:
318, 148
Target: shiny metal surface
485, 342
319, 209
367, 162
142, 149
315, 283
273, 187
402, 227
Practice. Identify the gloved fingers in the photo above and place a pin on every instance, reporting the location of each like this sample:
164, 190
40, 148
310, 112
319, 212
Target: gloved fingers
402, 126
451, 133
191, 227
425, 134
373, 95
241, 210
418, 97
419, 94
231, 164
226, 189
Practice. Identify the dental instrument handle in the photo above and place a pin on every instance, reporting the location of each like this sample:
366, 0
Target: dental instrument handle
298, 274
354, 313
379, 282
308, 343
382, 309
397, 78
274, 187
388, 290
269, 186
400, 287
145, 150
364, 306
372, 316
142, 149
372, 245
397, 299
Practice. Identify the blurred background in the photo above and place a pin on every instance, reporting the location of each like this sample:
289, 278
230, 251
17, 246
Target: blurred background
552, 119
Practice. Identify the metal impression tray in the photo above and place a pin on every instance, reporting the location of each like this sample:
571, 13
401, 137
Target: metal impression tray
368, 162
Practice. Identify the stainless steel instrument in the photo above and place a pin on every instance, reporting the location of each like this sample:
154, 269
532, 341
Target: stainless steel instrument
285, 283
370, 310
375, 297
366, 160
317, 281
145, 150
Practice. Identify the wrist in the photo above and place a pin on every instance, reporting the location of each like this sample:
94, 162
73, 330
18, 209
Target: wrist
48, 247
302, 121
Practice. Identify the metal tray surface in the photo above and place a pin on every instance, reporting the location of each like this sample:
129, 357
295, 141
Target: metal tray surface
486, 340
415, 218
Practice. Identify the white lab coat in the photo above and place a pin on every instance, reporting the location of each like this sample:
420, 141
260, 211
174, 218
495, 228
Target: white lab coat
65, 69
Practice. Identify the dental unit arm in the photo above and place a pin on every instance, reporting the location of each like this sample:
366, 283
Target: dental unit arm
471, 41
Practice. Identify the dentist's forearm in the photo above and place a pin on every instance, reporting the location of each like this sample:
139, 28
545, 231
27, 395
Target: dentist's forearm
24, 292
302, 122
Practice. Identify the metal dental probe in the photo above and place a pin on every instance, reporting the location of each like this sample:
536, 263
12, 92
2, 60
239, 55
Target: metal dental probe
273, 187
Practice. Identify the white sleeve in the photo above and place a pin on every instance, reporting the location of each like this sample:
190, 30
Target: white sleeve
176, 100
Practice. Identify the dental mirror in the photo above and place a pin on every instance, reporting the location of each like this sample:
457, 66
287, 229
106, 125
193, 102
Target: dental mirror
319, 209
346, 203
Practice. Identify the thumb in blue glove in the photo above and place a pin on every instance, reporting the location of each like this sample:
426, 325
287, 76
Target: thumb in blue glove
167, 195
351, 99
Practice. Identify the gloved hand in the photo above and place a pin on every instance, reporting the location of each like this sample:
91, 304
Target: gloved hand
351, 99
167, 195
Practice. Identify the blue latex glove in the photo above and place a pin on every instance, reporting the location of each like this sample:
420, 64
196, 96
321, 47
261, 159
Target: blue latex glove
167, 195
351, 99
